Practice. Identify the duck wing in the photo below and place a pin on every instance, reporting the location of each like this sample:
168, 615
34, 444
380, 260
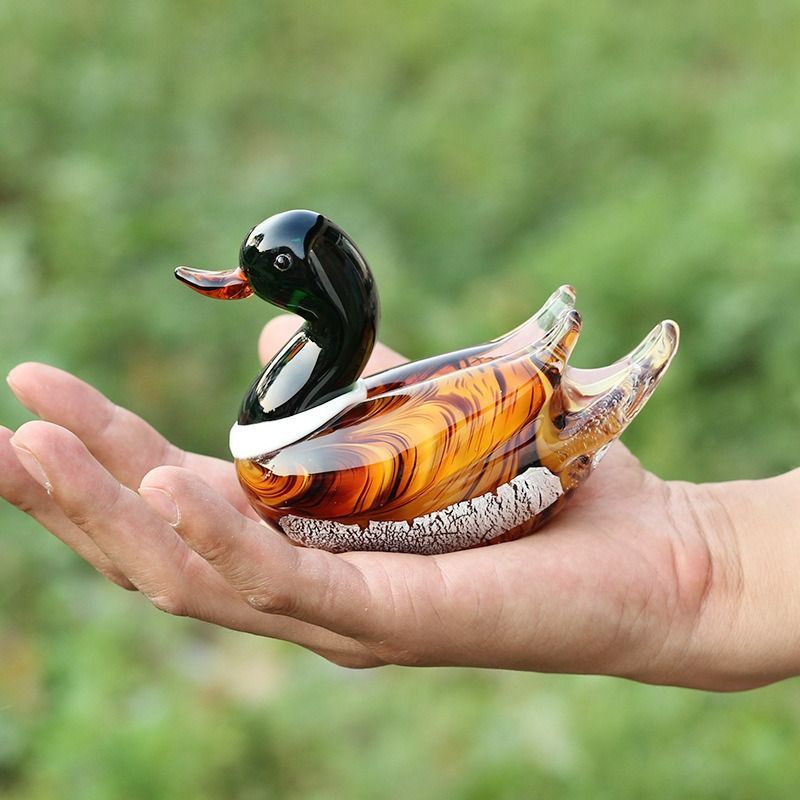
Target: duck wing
523, 337
583, 391
591, 405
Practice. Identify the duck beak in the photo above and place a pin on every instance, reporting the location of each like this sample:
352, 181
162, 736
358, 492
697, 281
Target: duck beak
228, 284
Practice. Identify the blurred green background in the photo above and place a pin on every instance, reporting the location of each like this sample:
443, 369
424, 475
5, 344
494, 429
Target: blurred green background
480, 154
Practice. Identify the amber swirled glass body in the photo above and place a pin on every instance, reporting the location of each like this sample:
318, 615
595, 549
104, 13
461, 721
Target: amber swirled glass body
465, 449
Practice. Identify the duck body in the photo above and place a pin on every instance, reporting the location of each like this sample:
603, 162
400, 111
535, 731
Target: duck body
461, 450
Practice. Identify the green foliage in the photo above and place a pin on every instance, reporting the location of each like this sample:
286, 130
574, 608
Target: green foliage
481, 154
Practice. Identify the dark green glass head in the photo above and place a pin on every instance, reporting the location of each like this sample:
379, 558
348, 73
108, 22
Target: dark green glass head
302, 262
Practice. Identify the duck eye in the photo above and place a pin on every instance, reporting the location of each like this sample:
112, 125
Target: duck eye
282, 262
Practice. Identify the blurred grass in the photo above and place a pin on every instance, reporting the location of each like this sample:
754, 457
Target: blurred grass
481, 155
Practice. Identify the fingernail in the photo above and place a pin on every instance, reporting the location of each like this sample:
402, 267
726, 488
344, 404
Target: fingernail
32, 466
19, 394
162, 502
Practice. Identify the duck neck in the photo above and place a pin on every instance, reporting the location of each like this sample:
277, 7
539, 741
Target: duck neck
322, 360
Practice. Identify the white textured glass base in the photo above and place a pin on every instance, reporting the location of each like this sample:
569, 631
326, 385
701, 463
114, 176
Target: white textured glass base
457, 527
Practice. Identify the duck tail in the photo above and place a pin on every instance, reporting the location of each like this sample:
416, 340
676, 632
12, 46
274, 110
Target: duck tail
562, 328
534, 329
594, 406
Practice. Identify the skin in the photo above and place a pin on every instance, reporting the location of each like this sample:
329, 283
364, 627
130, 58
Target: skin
662, 582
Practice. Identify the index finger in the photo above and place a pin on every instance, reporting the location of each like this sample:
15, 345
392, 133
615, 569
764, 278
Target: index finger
123, 442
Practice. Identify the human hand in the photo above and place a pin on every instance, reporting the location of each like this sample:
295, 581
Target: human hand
656, 581
95, 454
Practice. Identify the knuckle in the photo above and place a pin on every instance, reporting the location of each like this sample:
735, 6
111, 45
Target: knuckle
170, 604
272, 599
354, 661
83, 518
15, 489
112, 413
89, 515
193, 569
397, 654
116, 577
22, 502
216, 551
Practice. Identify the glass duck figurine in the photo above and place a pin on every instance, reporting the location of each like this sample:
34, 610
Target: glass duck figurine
470, 448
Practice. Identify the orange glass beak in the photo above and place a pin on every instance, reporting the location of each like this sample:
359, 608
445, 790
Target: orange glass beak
228, 284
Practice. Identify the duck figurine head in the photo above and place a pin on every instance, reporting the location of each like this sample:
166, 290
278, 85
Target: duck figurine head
469, 448
303, 263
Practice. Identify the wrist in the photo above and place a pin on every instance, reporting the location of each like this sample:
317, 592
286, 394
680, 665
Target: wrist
747, 630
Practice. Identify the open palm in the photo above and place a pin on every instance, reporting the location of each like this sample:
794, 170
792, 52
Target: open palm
618, 583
